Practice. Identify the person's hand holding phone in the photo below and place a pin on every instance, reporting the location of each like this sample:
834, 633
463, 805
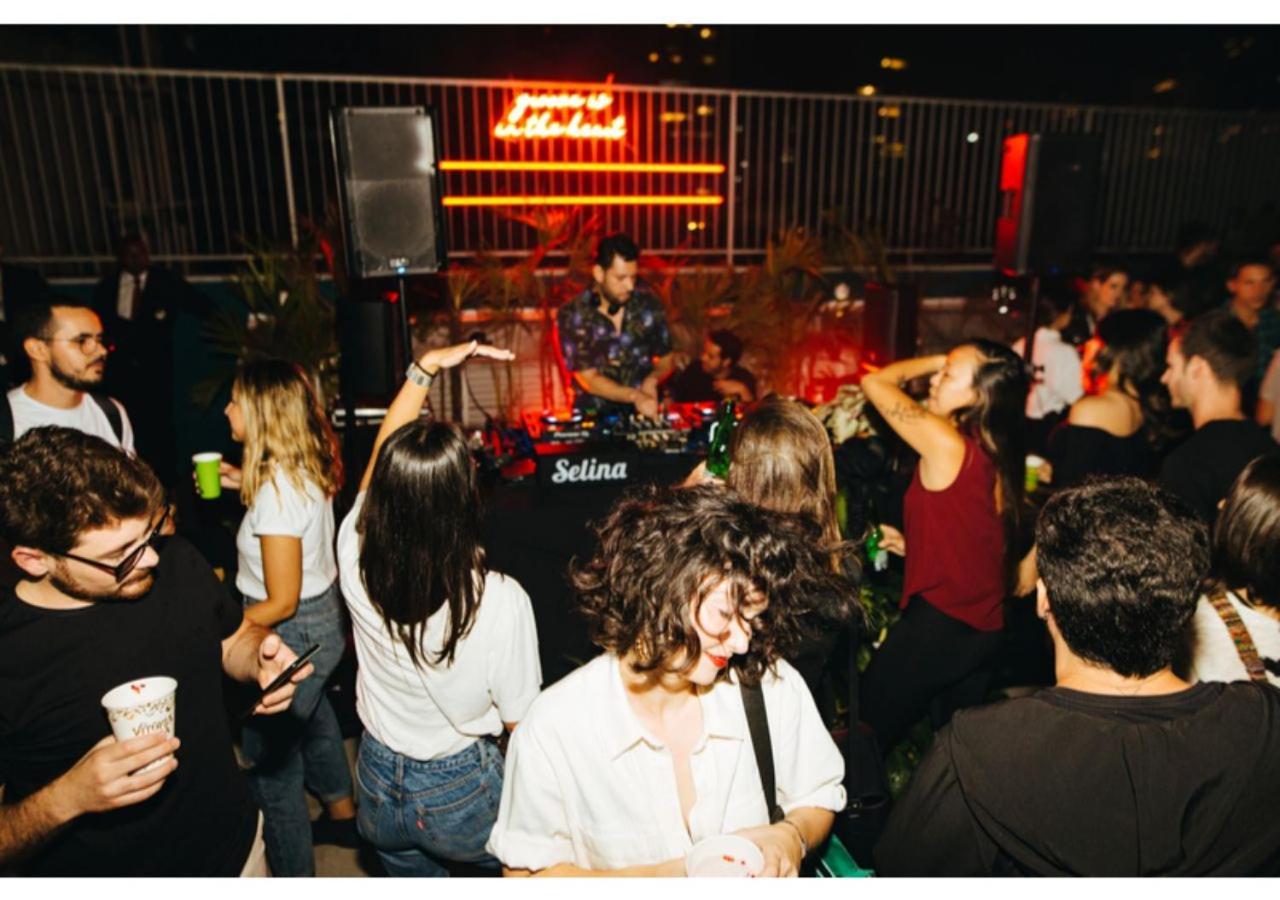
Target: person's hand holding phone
274, 659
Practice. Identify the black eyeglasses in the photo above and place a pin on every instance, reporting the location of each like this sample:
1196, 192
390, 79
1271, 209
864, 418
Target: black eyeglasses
122, 569
86, 343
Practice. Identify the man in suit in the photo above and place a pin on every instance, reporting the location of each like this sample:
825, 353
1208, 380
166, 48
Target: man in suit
138, 303
20, 288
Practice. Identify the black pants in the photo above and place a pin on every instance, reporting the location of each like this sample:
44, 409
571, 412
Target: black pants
929, 662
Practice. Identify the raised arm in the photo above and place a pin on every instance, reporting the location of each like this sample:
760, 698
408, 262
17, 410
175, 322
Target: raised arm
408, 403
938, 442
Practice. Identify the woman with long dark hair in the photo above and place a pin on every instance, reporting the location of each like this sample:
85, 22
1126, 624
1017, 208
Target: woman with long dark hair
447, 650
1235, 635
962, 516
1122, 429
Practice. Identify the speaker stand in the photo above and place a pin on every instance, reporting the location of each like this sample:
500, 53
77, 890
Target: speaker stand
406, 344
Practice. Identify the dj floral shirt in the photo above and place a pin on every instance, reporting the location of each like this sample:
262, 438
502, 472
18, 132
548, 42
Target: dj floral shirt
588, 340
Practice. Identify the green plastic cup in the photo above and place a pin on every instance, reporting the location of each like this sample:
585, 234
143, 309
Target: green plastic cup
208, 478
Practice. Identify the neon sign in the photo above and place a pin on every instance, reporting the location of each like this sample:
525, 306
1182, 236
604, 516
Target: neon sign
566, 114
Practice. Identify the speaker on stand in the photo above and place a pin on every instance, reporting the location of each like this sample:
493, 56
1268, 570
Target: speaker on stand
389, 203
1049, 186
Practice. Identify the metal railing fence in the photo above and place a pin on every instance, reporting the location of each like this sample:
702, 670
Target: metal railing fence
202, 162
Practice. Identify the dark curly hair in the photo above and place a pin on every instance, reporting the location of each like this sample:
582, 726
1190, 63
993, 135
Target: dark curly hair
662, 551
57, 483
1135, 340
1122, 561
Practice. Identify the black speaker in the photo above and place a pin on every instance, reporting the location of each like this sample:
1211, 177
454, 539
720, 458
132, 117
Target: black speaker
1049, 186
370, 366
889, 314
389, 192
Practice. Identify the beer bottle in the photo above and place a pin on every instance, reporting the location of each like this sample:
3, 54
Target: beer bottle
876, 554
718, 439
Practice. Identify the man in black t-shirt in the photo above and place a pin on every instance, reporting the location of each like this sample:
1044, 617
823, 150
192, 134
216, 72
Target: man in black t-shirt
1209, 363
103, 602
716, 375
1121, 768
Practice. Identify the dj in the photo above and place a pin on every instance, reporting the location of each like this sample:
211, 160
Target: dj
614, 338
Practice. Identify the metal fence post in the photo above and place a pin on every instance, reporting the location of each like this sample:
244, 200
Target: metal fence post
288, 169
731, 171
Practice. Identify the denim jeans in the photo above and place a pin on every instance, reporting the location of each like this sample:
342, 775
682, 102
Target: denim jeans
300, 748
415, 812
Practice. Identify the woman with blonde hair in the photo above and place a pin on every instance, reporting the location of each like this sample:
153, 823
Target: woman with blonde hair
288, 576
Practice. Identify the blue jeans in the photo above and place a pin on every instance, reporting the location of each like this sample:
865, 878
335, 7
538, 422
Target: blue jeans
416, 812
300, 748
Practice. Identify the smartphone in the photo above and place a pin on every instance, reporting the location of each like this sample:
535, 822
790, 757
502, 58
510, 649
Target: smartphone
284, 676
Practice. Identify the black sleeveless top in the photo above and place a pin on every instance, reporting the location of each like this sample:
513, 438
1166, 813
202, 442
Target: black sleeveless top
1077, 451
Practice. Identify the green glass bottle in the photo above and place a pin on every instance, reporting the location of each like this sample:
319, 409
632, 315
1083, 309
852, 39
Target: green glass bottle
718, 439
876, 554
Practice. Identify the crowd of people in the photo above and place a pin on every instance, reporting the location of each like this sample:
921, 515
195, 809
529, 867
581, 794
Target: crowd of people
1152, 563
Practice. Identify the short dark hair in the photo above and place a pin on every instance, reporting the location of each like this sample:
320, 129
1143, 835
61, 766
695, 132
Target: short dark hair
1253, 259
34, 319
619, 245
1122, 561
729, 343
659, 550
1224, 342
1103, 271
1247, 533
57, 483
1192, 233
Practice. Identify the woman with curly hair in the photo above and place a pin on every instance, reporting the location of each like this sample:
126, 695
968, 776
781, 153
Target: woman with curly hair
288, 577
627, 762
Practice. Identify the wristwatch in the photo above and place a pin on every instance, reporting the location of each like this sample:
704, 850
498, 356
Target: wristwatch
418, 375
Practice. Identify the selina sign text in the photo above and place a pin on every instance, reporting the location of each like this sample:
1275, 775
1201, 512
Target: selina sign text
565, 114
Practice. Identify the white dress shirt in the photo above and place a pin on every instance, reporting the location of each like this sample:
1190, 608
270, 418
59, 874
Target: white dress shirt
587, 784
1058, 382
429, 711
124, 294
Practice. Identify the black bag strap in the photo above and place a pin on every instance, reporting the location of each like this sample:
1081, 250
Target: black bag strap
6, 421
758, 725
112, 412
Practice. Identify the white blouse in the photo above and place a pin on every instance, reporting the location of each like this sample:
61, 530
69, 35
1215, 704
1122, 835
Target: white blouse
587, 784
433, 711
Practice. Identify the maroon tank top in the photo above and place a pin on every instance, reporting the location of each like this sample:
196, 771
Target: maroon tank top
955, 544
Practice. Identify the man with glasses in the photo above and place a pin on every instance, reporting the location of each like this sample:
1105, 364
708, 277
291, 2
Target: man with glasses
105, 599
68, 353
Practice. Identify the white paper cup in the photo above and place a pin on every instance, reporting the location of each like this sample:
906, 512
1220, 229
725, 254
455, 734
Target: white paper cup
142, 706
724, 856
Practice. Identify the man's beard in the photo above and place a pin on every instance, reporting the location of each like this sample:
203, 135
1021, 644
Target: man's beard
134, 586
70, 381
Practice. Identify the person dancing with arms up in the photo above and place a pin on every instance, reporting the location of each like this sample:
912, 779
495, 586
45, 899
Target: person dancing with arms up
961, 517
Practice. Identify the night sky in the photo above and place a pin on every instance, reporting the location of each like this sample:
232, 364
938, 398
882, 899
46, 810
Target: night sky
1225, 67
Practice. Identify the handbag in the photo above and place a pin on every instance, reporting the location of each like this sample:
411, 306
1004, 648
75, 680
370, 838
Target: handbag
832, 860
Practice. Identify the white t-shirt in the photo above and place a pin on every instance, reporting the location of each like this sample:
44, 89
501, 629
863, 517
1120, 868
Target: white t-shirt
1058, 382
1270, 391
1213, 653
281, 509
587, 784
436, 711
88, 417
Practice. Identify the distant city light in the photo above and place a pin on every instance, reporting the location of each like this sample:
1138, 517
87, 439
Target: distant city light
892, 62
677, 58
705, 34
972, 137
704, 110
889, 112
867, 90
1163, 87
669, 117
709, 60
655, 56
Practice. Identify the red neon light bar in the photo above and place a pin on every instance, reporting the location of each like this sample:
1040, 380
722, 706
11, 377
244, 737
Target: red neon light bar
590, 200
490, 165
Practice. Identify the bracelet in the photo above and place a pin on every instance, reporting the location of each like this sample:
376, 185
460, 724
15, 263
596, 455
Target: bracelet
418, 375
804, 845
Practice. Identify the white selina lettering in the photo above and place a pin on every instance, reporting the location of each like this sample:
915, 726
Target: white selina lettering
588, 470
